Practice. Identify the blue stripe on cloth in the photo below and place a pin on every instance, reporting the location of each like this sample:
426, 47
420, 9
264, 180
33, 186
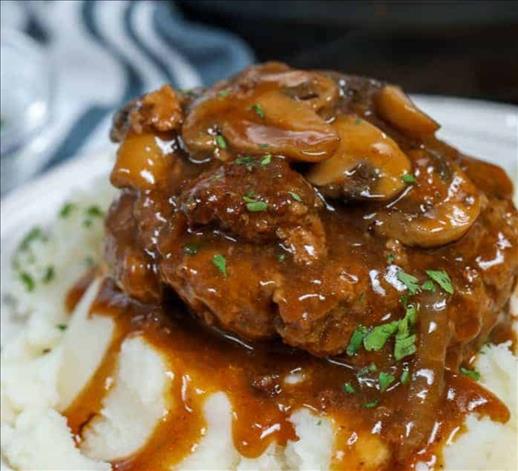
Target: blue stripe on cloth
150, 54
214, 53
92, 117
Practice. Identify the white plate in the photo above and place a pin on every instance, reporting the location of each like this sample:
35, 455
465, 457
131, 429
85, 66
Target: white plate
486, 130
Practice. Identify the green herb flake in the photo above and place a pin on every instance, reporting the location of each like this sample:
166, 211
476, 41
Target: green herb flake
89, 261
220, 141
191, 249
357, 121
220, 262
281, 257
390, 258
264, 146
378, 336
66, 210
404, 346
257, 206
385, 380
371, 404
410, 281
405, 343
408, 178
370, 368
258, 109
319, 422
94, 211
253, 205
62, 327
49, 274
472, 374
348, 388
266, 160
34, 234
224, 93
442, 279
356, 340
428, 286
245, 160
295, 196
405, 376
28, 281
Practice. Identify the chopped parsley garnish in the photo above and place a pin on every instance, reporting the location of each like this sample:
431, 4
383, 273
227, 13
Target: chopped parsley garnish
66, 210
259, 111
34, 234
224, 93
220, 262
264, 146
245, 160
358, 121
281, 257
404, 346
385, 380
49, 274
442, 279
62, 326
256, 206
266, 160
408, 178
295, 196
410, 281
253, 205
390, 258
27, 280
348, 388
220, 141
405, 376
89, 261
472, 374
428, 286
356, 340
405, 341
370, 368
378, 336
94, 211
370, 404
191, 249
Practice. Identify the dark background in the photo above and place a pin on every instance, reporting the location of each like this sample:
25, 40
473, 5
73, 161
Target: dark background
462, 48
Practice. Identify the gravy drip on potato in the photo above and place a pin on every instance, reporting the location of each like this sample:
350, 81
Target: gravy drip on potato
315, 217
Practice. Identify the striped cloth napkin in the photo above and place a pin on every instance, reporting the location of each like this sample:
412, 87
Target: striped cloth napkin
103, 53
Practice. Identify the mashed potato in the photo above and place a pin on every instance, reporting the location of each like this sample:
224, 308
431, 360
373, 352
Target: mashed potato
48, 361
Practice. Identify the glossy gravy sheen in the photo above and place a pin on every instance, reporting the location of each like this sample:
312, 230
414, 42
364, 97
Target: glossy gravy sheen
253, 379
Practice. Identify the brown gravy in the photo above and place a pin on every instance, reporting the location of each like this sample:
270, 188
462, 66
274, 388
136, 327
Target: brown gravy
252, 378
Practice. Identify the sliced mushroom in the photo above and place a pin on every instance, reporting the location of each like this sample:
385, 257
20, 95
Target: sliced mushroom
288, 128
314, 89
438, 209
266, 107
142, 162
367, 164
394, 106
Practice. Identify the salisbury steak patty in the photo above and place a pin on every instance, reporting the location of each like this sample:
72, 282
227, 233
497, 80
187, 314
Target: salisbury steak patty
305, 204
